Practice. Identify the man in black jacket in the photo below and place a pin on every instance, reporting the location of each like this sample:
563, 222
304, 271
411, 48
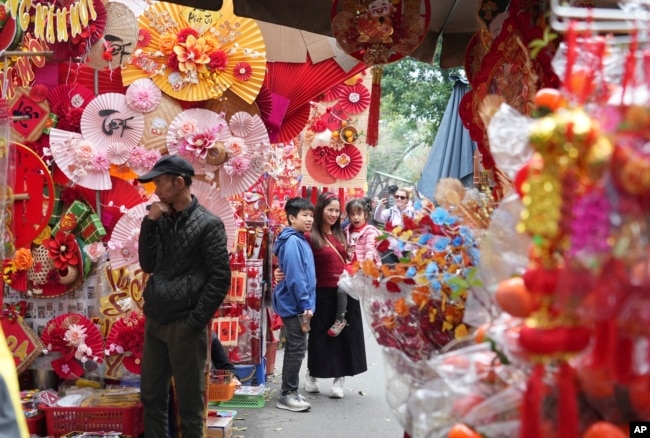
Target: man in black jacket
184, 248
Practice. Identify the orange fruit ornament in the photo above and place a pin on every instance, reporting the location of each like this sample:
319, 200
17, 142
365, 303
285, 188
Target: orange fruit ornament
603, 429
549, 98
514, 298
462, 431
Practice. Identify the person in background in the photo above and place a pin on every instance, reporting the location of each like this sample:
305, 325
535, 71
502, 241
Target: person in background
219, 358
393, 215
361, 238
343, 355
184, 248
294, 297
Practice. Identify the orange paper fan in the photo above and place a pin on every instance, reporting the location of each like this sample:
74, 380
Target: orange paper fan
345, 163
229, 53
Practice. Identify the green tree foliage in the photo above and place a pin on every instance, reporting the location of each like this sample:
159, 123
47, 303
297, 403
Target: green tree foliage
413, 101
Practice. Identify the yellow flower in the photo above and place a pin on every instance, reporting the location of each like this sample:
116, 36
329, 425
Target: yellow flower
45, 234
23, 259
193, 55
461, 331
211, 43
167, 43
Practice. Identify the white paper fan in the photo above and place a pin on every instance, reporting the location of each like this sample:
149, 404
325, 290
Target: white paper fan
209, 198
196, 121
64, 146
108, 119
123, 245
257, 143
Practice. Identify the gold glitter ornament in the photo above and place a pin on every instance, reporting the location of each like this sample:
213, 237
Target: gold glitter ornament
542, 202
598, 157
542, 133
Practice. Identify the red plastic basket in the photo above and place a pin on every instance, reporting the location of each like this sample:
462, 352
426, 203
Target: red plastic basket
127, 420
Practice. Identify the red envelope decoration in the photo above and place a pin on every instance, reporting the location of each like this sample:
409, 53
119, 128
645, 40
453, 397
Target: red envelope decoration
29, 117
21, 340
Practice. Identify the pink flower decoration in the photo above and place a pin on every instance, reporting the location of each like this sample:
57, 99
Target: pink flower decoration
201, 141
237, 166
242, 71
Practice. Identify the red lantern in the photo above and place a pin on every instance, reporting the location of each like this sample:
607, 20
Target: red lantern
379, 32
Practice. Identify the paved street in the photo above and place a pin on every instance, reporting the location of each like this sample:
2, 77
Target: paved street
362, 413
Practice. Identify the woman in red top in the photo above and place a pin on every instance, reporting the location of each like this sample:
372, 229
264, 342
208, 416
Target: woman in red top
344, 355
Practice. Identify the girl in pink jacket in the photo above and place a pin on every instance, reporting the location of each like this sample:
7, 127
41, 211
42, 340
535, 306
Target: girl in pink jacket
362, 238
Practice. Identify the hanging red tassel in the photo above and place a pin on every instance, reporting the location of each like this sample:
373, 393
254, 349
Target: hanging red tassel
372, 137
567, 407
623, 359
531, 408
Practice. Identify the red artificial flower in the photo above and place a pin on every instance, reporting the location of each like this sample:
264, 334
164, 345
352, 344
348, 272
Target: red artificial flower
218, 60
172, 62
319, 125
242, 71
184, 33
322, 155
384, 245
144, 38
391, 286
63, 250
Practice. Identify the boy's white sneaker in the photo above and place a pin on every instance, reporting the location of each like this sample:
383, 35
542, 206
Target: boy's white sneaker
337, 388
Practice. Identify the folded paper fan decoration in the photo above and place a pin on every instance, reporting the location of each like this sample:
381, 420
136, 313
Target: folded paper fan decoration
230, 104
110, 123
105, 81
315, 160
113, 203
67, 102
126, 338
77, 338
345, 163
194, 61
118, 40
209, 197
157, 122
80, 160
302, 83
241, 171
194, 133
123, 245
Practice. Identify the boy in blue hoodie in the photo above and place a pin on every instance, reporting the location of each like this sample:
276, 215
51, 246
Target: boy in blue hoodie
294, 297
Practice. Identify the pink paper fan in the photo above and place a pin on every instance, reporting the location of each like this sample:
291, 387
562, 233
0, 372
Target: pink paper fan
257, 143
143, 95
195, 125
123, 245
108, 119
78, 47
346, 163
354, 99
210, 199
63, 145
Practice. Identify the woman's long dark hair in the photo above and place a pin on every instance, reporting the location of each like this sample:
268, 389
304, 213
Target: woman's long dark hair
318, 238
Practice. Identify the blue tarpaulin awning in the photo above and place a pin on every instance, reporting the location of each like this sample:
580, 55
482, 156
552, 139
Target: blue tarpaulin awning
452, 153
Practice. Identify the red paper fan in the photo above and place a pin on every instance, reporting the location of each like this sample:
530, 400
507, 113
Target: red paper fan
126, 337
316, 170
264, 102
346, 163
354, 99
90, 346
334, 117
294, 123
333, 93
302, 83
111, 203
99, 82
78, 47
67, 102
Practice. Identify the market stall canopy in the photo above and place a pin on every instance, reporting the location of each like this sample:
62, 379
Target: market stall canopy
455, 20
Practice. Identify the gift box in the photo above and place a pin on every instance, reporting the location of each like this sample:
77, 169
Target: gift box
76, 212
219, 427
91, 229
